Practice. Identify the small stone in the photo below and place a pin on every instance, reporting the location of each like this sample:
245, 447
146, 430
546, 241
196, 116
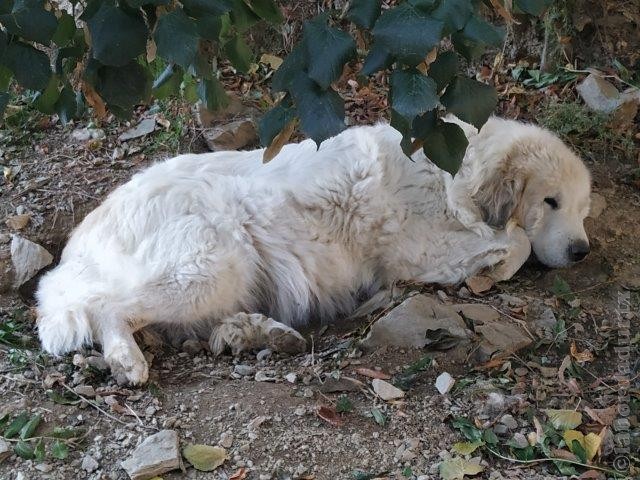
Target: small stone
226, 439
28, 258
5, 451
385, 390
263, 354
291, 377
156, 455
599, 94
256, 422
150, 411
145, 127
97, 362
263, 377
444, 383
89, 464
442, 295
509, 422
192, 346
44, 467
18, 222
520, 440
244, 370
79, 360
85, 391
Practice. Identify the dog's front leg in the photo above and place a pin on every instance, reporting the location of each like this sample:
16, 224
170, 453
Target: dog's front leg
121, 352
518, 251
245, 331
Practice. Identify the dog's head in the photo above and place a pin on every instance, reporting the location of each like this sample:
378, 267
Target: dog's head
527, 174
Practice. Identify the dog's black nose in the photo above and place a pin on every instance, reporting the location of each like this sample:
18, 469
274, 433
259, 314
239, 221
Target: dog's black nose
578, 250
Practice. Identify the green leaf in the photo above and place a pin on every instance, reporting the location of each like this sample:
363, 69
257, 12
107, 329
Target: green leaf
378, 58
4, 101
412, 93
364, 13
4, 419
141, 3
579, 451
242, 17
266, 9
67, 432
321, 112
378, 416
29, 20
59, 450
467, 448
490, 437
533, 7
24, 450
444, 68
39, 452
344, 405
292, 65
62, 399
239, 53
199, 8
272, 122
445, 146
30, 67
454, 14
525, 454
564, 419
65, 31
468, 429
46, 100
205, 457
407, 32
561, 289
466, 47
469, 100
16, 425
478, 30
67, 105
177, 39
5, 78
28, 428
168, 83
123, 87
403, 125
212, 94
328, 49
117, 36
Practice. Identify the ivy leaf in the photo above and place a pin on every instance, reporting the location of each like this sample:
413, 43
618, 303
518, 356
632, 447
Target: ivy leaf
239, 53
445, 146
443, 69
454, 14
59, 450
564, 419
242, 17
28, 428
292, 65
46, 100
468, 429
29, 20
378, 58
167, 83
364, 13
423, 4
466, 47
30, 67
38, 451
480, 31
65, 31
117, 36
24, 450
267, 10
533, 7
321, 112
469, 100
344, 405
16, 425
212, 94
211, 26
177, 39
403, 125
123, 87
199, 8
328, 50
272, 122
412, 93
407, 32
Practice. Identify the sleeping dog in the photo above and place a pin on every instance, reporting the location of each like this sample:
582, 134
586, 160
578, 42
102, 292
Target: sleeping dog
256, 249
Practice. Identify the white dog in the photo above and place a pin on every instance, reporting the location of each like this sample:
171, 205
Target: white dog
224, 238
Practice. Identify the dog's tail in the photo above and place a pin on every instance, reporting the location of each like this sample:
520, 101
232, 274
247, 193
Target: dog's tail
66, 298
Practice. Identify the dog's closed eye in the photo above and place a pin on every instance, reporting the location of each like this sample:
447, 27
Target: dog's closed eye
552, 202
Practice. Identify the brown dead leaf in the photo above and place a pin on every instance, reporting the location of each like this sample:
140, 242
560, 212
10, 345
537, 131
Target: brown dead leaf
329, 415
593, 475
584, 356
564, 454
281, 139
151, 50
367, 372
18, 222
479, 284
94, 100
240, 474
604, 416
504, 11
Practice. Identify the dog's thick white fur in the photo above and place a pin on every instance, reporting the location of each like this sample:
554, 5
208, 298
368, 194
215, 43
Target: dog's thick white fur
224, 238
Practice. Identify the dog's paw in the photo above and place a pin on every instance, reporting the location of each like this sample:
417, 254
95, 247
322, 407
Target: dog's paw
286, 340
128, 365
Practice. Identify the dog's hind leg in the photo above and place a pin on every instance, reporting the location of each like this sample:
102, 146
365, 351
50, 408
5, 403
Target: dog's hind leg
245, 331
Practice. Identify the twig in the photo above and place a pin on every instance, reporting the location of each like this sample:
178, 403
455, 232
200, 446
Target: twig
93, 404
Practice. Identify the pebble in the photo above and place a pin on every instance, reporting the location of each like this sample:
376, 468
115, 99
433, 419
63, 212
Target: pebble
85, 391
89, 464
291, 377
509, 422
156, 455
263, 377
385, 390
263, 354
79, 360
226, 439
244, 370
444, 383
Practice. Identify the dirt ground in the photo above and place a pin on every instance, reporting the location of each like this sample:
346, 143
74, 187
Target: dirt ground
267, 410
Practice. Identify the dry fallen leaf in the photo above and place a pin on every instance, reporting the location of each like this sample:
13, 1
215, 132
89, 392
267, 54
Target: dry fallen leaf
604, 416
279, 141
590, 442
564, 419
584, 356
479, 284
457, 468
329, 415
94, 100
367, 372
204, 457
18, 222
272, 60
240, 474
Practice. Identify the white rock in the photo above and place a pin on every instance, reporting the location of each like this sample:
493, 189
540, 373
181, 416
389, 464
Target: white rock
158, 454
385, 390
89, 464
28, 258
79, 360
5, 451
444, 383
291, 377
145, 127
226, 440
244, 370
263, 377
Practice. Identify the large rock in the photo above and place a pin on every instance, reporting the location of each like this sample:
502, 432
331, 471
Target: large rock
602, 96
418, 322
158, 454
28, 258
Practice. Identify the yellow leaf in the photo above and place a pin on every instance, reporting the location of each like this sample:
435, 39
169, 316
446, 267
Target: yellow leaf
592, 445
564, 419
457, 468
205, 457
571, 435
467, 448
